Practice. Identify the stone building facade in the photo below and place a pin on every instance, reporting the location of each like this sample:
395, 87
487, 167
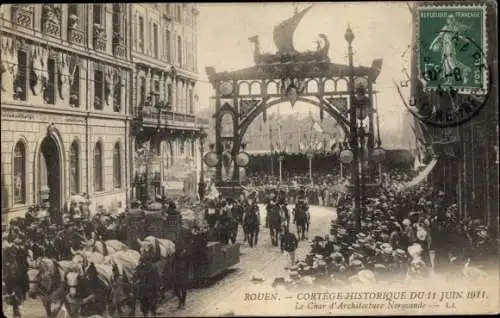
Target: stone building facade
164, 50
79, 86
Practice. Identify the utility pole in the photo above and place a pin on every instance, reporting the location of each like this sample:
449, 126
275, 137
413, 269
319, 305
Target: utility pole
349, 37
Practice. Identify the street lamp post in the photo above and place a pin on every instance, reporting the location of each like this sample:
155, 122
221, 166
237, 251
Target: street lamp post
201, 184
349, 37
310, 156
281, 157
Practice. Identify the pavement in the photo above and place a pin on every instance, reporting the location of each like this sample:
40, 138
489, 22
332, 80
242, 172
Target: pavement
226, 295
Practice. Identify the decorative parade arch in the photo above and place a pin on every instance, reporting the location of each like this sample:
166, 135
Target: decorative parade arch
287, 75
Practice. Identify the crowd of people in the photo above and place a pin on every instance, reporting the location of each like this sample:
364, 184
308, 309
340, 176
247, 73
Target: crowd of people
324, 189
405, 234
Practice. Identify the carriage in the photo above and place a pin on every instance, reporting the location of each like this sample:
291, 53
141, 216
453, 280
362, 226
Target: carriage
215, 257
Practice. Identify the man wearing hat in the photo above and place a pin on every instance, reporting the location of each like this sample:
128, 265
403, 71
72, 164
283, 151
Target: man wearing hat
251, 221
289, 244
211, 213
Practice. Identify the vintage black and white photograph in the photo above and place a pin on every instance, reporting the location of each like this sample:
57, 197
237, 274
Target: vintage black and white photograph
249, 159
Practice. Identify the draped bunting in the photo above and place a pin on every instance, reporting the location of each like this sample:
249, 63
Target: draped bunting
422, 175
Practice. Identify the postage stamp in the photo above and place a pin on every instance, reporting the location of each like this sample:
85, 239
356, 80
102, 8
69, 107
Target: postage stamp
451, 47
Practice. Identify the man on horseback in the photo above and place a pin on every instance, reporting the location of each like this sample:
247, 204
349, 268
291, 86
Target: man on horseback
301, 216
274, 219
251, 221
284, 213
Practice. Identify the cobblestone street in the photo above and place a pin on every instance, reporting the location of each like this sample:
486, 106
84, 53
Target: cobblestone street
226, 296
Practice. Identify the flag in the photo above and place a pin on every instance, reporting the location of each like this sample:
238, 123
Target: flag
317, 127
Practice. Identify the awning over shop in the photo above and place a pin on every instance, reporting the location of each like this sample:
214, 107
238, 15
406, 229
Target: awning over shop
423, 174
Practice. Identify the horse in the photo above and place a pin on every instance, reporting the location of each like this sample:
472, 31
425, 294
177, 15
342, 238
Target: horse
124, 265
274, 221
46, 280
251, 224
85, 258
301, 221
163, 248
228, 229
14, 272
148, 285
89, 289
104, 247
160, 252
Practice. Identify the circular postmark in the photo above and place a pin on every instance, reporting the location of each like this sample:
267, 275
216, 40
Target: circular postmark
452, 83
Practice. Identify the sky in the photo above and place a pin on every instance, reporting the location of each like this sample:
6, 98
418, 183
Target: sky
381, 30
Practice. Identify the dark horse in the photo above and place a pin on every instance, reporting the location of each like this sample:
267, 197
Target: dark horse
274, 221
15, 267
301, 221
251, 224
148, 285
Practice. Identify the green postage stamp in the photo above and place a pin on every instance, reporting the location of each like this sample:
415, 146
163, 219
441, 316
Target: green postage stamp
452, 48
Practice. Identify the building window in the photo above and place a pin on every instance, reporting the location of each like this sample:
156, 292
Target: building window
98, 89
193, 148
191, 102
142, 93
169, 46
155, 93
21, 84
73, 9
117, 19
179, 13
98, 184
169, 96
155, 40
141, 34
19, 173
50, 91
117, 94
74, 99
179, 50
98, 14
117, 167
74, 168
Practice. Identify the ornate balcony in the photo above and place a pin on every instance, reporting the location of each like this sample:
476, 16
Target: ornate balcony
119, 49
161, 118
51, 28
22, 14
51, 20
76, 36
99, 38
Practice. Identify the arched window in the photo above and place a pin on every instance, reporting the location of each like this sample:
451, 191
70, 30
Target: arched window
117, 167
98, 184
74, 168
19, 173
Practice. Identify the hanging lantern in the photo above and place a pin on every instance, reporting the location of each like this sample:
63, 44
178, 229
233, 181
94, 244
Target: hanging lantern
211, 159
242, 159
378, 155
346, 156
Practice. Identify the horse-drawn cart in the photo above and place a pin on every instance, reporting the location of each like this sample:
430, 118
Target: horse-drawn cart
210, 259
219, 258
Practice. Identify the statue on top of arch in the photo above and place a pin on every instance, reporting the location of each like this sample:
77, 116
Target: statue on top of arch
283, 38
